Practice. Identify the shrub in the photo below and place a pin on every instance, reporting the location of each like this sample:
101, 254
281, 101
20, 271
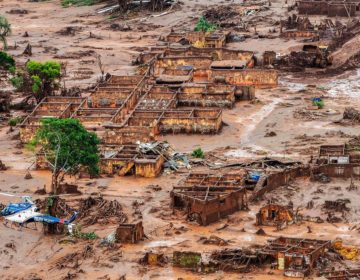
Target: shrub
68, 3
17, 81
7, 62
15, 121
205, 26
198, 153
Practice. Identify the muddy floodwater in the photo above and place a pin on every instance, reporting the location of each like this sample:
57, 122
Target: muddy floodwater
304, 156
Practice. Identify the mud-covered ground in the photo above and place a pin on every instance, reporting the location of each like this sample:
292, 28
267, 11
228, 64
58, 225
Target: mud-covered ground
283, 110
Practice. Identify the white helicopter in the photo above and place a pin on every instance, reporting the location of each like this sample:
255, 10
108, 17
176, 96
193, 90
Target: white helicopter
27, 212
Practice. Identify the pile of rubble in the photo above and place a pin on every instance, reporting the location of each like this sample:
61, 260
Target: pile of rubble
173, 160
224, 16
92, 210
101, 211
3, 166
350, 113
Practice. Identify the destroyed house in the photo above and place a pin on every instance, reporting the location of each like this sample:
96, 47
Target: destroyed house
126, 159
221, 180
179, 92
130, 233
346, 274
206, 95
49, 107
295, 256
274, 214
328, 8
216, 54
338, 154
207, 205
120, 160
204, 39
333, 154
259, 78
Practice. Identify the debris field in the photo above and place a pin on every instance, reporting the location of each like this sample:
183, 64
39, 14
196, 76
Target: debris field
228, 140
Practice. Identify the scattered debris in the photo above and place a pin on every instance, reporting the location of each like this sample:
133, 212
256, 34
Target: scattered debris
214, 240
338, 205
28, 176
154, 259
270, 134
69, 31
3, 166
350, 113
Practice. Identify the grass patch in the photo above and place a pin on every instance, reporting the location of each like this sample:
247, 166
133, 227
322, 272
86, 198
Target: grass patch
68, 3
17, 81
15, 121
198, 153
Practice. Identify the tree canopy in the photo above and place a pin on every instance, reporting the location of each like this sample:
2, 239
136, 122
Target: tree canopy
204, 26
67, 146
5, 30
7, 62
44, 77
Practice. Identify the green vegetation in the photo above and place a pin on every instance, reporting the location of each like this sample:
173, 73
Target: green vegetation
187, 259
67, 147
7, 62
204, 26
49, 203
68, 3
319, 103
87, 235
84, 235
198, 153
15, 121
17, 81
43, 77
5, 30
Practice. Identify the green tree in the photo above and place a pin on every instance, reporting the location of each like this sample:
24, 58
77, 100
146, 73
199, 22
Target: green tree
67, 146
43, 77
7, 62
5, 30
204, 26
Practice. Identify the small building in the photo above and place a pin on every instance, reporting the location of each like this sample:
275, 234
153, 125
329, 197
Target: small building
208, 204
130, 233
297, 257
346, 274
274, 214
328, 8
207, 40
269, 58
333, 154
126, 159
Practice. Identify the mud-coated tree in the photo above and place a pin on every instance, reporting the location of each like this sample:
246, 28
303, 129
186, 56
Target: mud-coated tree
5, 30
67, 146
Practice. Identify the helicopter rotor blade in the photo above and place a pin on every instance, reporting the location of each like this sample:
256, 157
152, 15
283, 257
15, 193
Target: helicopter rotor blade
8, 194
56, 195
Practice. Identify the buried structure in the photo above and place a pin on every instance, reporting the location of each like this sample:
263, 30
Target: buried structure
206, 205
275, 215
296, 257
182, 90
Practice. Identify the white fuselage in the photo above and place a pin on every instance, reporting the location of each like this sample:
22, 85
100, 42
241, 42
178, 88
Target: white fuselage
23, 216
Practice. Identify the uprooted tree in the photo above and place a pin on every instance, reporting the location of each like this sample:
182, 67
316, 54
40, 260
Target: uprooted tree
67, 147
5, 30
